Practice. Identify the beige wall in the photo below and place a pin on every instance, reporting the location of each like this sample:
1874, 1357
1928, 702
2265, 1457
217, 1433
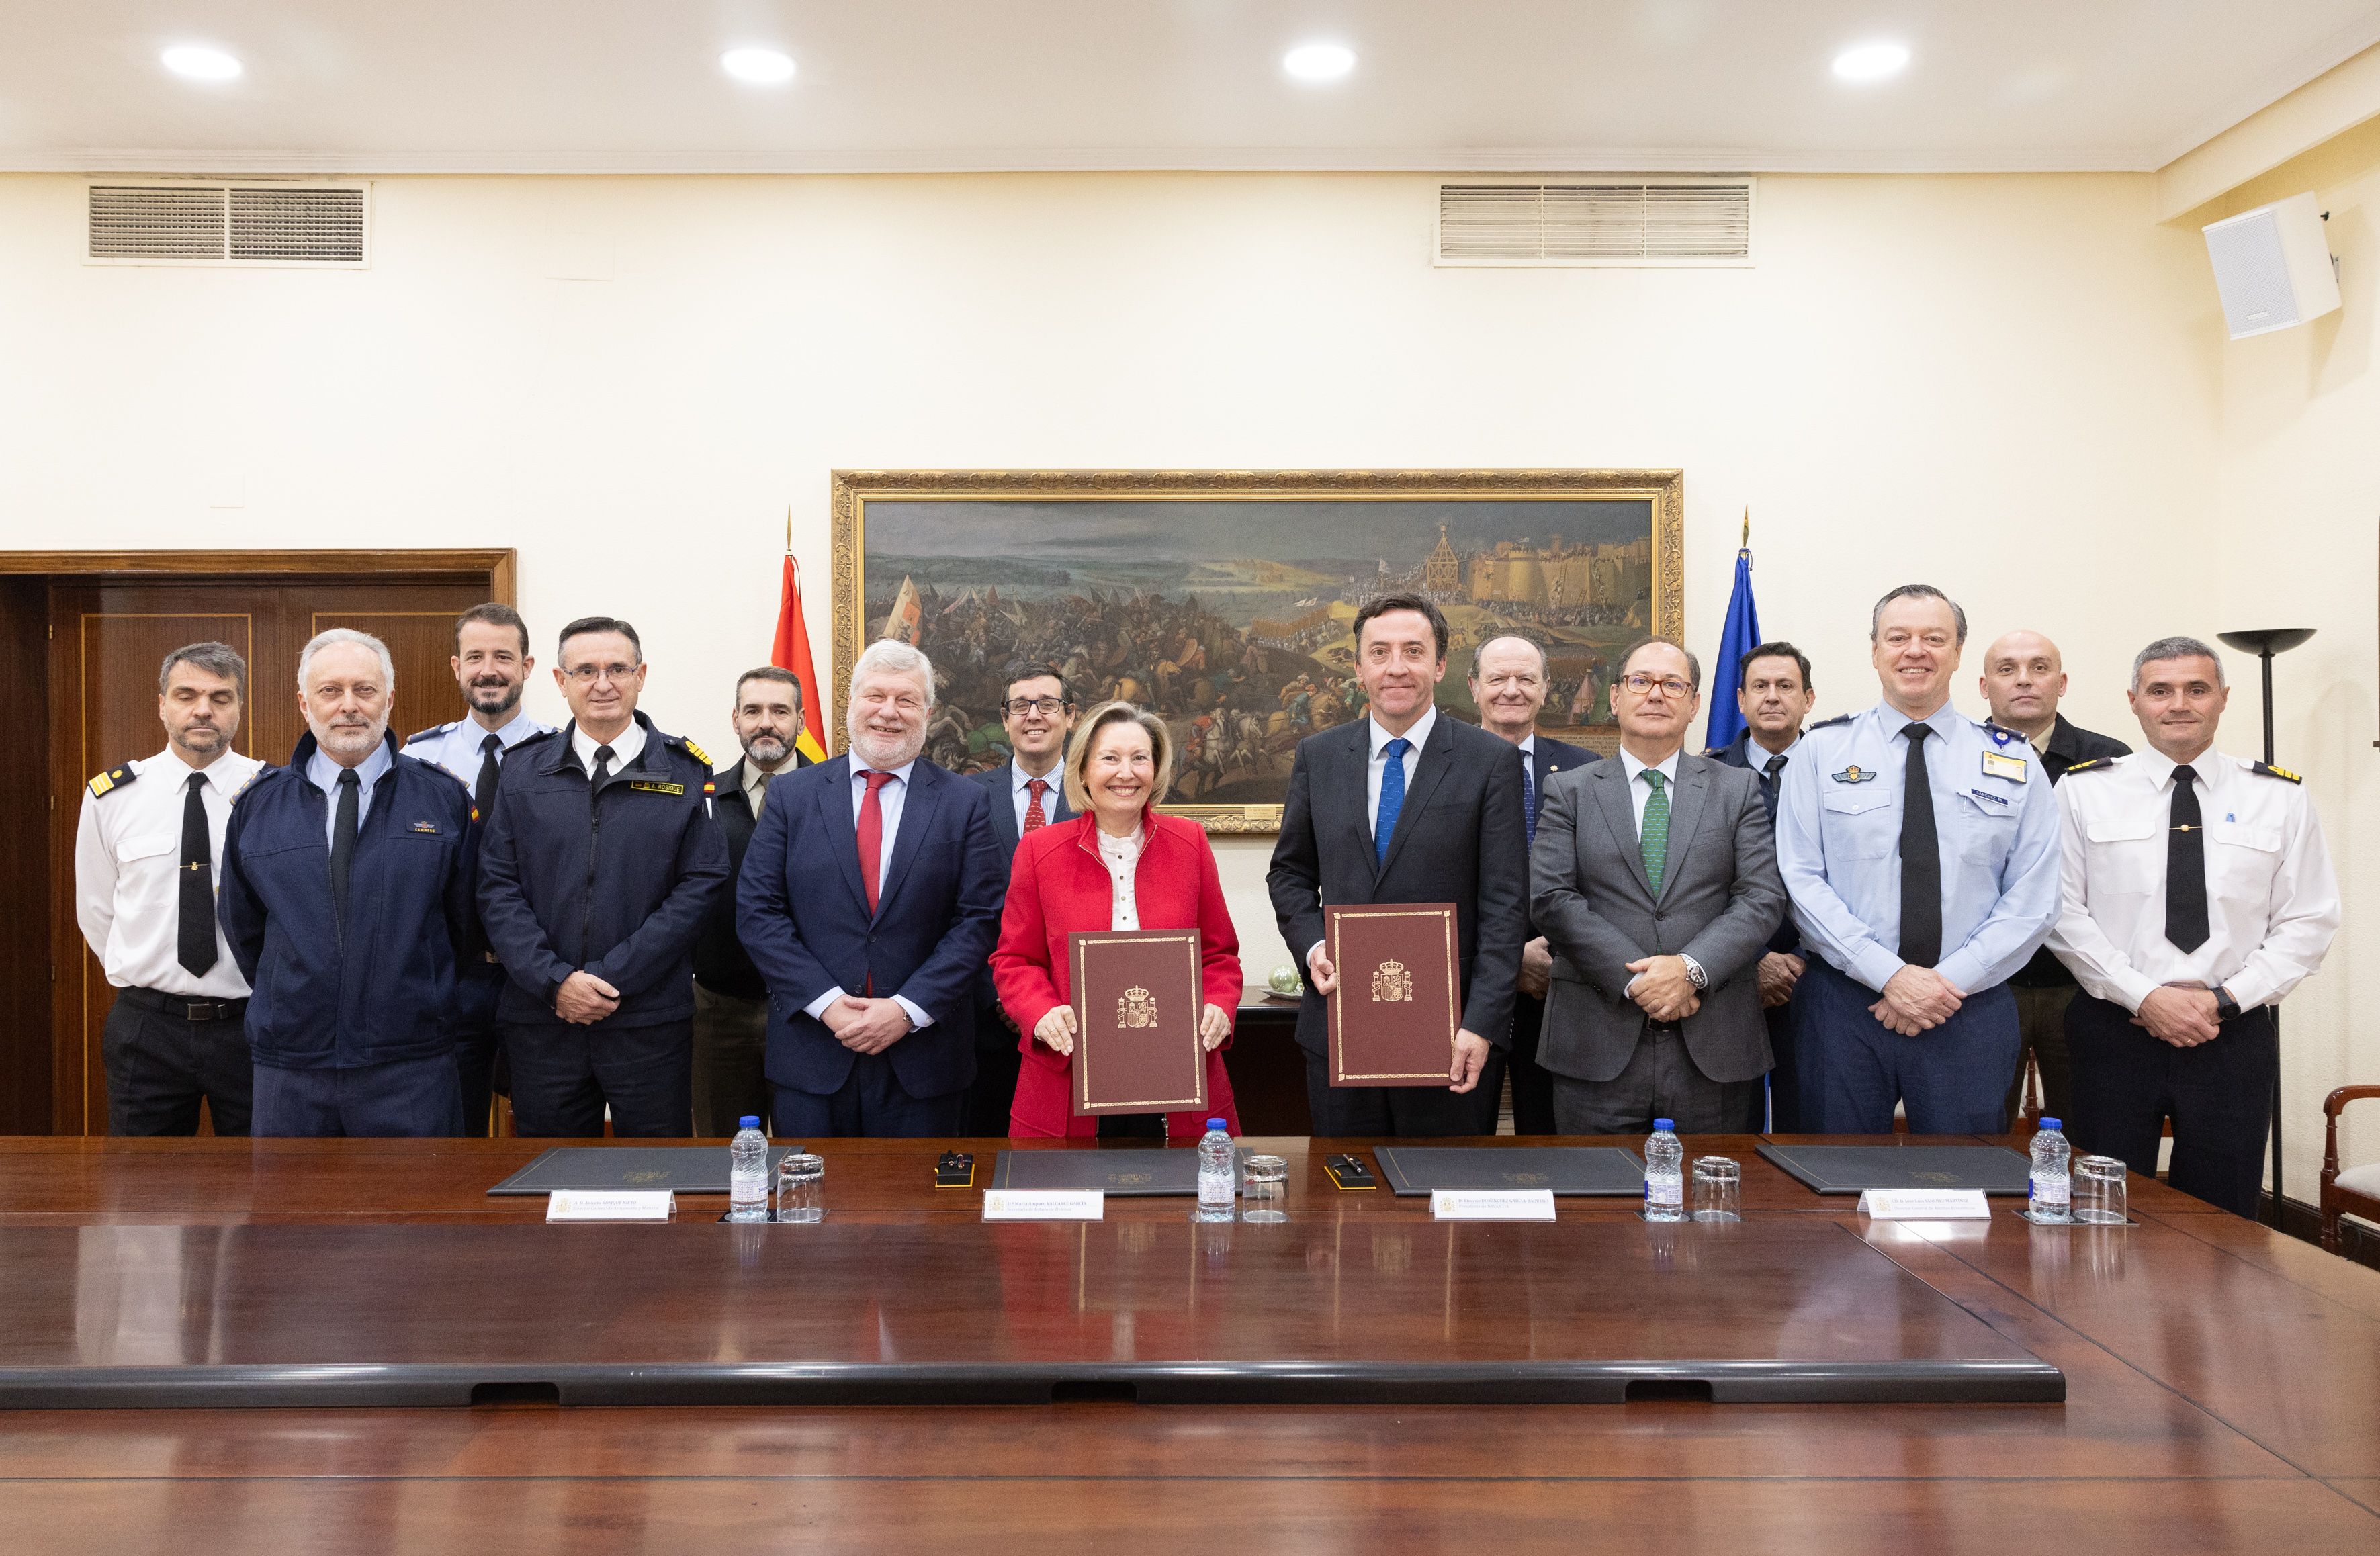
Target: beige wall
2016, 387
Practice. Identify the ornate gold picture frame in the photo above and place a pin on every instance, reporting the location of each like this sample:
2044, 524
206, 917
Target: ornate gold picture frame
1223, 598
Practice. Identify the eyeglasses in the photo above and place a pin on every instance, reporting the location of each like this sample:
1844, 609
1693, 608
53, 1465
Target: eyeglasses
1644, 685
587, 675
1022, 706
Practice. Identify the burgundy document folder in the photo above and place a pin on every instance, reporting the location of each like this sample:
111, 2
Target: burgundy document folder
1136, 1007
1393, 1019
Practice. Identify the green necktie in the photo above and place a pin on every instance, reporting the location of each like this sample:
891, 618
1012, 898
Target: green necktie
1654, 837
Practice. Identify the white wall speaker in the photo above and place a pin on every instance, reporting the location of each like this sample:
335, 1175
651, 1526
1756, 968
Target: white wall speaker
2273, 266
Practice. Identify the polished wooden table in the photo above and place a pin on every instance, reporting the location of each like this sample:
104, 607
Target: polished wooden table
2222, 1386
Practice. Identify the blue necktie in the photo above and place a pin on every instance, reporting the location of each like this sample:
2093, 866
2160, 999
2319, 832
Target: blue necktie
1528, 799
1392, 796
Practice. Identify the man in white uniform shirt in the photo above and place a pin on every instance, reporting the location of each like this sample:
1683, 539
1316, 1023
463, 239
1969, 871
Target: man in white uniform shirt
147, 862
2196, 892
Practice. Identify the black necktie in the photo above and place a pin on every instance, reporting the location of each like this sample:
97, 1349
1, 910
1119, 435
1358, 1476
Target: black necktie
1921, 861
1776, 765
2185, 865
343, 844
194, 944
602, 767
483, 792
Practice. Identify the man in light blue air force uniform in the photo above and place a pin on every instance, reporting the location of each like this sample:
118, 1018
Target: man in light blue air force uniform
1920, 849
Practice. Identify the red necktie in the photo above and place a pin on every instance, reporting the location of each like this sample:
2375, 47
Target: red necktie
871, 836
1034, 815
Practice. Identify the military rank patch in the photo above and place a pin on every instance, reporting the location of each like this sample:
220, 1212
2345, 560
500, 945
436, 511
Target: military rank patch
2096, 765
696, 751
1830, 723
657, 787
113, 778
427, 827
1856, 774
2267, 768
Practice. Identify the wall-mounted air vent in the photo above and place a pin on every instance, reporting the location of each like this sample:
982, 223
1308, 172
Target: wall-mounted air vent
1679, 221
189, 224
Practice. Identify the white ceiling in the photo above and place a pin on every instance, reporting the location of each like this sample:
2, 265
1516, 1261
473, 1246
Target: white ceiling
1649, 85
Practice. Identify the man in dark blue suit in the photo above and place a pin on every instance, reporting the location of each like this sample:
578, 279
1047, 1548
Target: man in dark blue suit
1774, 693
1508, 687
1023, 793
869, 901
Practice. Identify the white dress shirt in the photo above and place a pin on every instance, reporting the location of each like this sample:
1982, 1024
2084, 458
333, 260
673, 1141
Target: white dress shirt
1121, 856
1021, 795
889, 802
1639, 791
1379, 762
129, 873
323, 774
2272, 901
624, 746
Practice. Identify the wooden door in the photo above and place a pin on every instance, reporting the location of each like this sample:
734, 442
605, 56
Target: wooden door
106, 640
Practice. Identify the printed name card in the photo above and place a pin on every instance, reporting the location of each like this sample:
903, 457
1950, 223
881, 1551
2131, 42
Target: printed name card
620, 1204
1044, 1204
1491, 1205
1925, 1204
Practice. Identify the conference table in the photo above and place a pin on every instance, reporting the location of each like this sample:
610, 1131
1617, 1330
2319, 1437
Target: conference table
2193, 1381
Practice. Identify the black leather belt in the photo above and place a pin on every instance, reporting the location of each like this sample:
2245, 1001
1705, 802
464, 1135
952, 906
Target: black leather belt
188, 1008
1661, 1029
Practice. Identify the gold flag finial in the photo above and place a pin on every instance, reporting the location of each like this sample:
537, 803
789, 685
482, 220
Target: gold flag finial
789, 528
1747, 524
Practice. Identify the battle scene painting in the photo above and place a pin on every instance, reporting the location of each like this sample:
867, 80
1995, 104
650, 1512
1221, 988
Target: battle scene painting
1231, 611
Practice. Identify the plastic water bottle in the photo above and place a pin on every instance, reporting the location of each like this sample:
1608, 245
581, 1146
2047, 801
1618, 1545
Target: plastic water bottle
1217, 1168
1664, 1174
2052, 1198
748, 1173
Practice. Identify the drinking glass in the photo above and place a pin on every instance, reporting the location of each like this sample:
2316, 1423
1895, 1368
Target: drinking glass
1718, 1188
2100, 1191
1264, 1189
799, 1191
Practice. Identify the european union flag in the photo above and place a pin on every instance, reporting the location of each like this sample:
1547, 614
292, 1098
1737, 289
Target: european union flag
1740, 637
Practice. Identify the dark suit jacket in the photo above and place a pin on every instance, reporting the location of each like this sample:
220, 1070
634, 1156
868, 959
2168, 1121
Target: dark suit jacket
802, 911
1737, 754
1720, 898
2068, 744
719, 962
1459, 838
999, 788
1547, 757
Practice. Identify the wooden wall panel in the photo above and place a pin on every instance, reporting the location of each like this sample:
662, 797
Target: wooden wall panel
25, 827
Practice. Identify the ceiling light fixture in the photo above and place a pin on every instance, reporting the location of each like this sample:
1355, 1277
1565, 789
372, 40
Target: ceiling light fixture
1871, 62
1318, 62
198, 64
760, 67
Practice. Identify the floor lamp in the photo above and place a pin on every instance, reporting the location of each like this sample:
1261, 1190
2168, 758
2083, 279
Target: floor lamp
2266, 641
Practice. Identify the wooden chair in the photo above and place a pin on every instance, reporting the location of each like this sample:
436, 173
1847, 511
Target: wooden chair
2355, 1191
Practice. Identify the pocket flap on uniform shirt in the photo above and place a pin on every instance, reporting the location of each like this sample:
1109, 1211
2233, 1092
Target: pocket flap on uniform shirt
2125, 829
2264, 840
1854, 799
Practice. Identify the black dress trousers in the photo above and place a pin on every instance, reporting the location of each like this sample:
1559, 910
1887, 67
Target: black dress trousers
2218, 1095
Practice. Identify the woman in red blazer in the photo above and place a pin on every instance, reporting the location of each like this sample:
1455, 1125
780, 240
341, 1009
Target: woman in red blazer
1118, 865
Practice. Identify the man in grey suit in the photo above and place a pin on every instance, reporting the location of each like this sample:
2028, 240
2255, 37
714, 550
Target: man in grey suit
1406, 805
1655, 884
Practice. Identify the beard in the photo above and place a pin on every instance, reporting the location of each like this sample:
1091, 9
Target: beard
203, 737
884, 752
766, 750
495, 699
353, 741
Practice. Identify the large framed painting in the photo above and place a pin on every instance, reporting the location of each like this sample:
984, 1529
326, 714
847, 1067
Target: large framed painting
1226, 600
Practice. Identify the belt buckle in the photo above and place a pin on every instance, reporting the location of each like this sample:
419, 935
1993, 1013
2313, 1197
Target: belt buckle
201, 1010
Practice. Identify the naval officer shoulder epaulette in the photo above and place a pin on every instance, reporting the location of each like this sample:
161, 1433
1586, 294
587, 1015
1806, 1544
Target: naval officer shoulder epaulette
2095, 765
1830, 723
111, 780
2268, 770
682, 743
432, 733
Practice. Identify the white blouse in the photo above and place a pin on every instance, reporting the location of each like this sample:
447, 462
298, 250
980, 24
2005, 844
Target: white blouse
1121, 856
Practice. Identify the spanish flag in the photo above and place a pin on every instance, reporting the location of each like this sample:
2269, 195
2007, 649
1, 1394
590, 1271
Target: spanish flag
792, 653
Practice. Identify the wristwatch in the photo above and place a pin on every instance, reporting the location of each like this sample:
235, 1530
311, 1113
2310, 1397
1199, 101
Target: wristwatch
1694, 972
2225, 1008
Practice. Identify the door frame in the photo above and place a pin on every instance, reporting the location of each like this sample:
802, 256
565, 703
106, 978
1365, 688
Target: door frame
71, 1048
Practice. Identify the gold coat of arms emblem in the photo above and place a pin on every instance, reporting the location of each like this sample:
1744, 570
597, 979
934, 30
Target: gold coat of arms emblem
1391, 983
1136, 1008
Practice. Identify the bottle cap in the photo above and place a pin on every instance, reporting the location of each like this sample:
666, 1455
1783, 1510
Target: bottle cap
747, 1123
1215, 1123
1661, 1124
2049, 1124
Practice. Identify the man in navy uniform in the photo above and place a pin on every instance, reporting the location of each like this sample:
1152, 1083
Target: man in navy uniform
730, 1003
1920, 851
599, 866
1037, 710
491, 665
346, 897
1774, 693
1508, 686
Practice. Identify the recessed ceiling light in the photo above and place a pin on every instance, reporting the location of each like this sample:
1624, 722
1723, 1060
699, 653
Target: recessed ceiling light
1318, 62
761, 68
1871, 62
200, 64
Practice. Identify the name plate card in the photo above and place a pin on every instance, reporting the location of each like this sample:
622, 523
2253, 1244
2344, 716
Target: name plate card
1492, 1204
1044, 1204
1925, 1204
621, 1204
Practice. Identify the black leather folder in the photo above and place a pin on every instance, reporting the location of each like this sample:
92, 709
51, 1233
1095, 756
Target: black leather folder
1848, 1169
1109, 1172
683, 1169
1605, 1170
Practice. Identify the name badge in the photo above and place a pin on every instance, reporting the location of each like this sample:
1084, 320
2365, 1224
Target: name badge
657, 787
1999, 763
428, 828
1999, 799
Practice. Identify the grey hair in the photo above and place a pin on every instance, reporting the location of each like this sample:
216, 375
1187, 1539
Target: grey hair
1916, 591
2176, 648
218, 659
325, 638
1545, 666
894, 657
